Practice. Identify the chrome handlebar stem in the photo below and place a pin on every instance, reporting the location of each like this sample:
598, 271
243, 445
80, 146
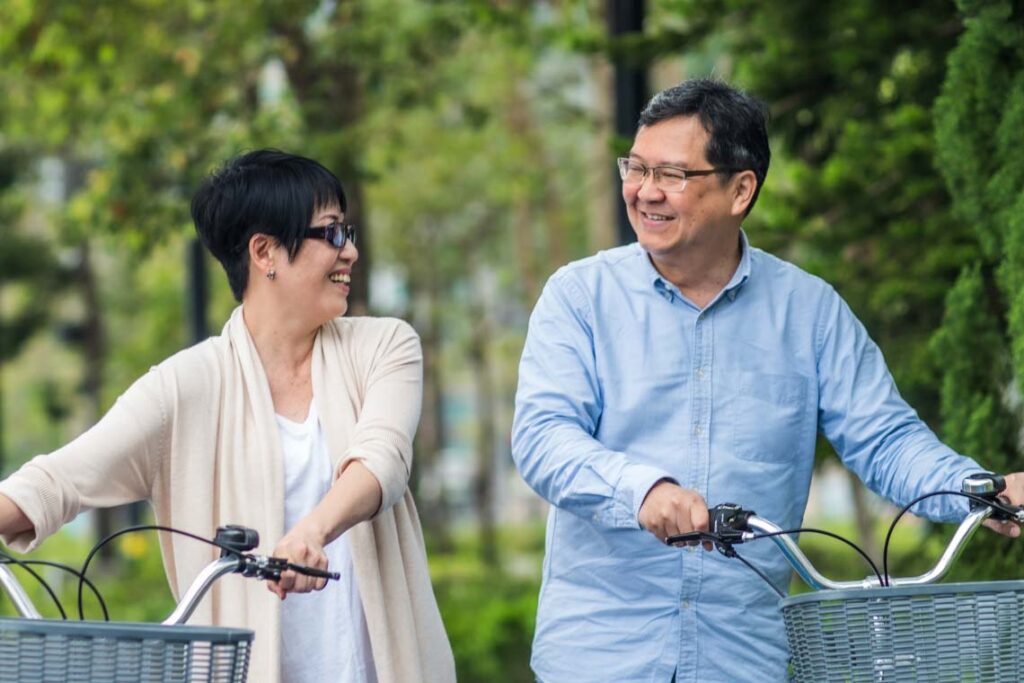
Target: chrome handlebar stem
201, 584
803, 567
17, 594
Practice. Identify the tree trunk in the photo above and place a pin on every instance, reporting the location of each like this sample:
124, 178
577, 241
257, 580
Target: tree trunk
483, 481
430, 437
331, 96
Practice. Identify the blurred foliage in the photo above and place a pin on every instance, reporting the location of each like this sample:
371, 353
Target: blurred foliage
490, 620
854, 192
134, 589
980, 132
490, 613
469, 125
474, 137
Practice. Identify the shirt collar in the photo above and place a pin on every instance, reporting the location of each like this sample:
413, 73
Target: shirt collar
742, 271
730, 290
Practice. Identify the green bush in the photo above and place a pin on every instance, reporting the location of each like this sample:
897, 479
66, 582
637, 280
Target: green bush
489, 619
133, 587
489, 613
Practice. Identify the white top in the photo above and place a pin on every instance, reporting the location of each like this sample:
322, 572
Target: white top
323, 634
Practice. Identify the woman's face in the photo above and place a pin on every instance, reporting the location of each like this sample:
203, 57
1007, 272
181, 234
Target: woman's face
316, 282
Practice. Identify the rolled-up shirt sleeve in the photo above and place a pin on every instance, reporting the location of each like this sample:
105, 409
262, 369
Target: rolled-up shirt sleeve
875, 432
393, 393
114, 462
558, 410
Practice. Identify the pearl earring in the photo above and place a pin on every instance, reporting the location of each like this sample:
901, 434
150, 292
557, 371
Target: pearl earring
271, 274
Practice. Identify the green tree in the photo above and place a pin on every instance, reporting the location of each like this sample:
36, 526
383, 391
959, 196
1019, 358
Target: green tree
478, 191
980, 131
853, 194
457, 122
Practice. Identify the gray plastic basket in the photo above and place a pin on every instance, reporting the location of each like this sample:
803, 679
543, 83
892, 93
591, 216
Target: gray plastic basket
958, 632
49, 651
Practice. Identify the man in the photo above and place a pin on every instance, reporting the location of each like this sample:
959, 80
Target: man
691, 367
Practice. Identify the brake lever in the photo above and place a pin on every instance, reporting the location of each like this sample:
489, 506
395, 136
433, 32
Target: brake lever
271, 568
690, 537
313, 571
728, 525
1005, 511
263, 567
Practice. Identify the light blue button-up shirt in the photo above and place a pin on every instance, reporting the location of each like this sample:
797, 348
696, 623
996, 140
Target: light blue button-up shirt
624, 382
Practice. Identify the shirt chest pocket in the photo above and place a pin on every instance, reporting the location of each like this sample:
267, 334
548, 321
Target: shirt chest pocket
771, 417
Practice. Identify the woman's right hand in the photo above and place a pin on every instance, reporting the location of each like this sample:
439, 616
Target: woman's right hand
12, 520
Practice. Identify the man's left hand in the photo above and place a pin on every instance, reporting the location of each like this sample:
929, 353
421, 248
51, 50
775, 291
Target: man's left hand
1014, 493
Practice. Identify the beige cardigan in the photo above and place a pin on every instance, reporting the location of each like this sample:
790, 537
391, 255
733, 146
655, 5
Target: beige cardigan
197, 437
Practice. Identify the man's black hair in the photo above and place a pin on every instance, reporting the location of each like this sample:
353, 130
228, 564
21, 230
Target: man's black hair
735, 121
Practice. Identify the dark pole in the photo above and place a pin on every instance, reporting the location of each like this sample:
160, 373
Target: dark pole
196, 291
624, 17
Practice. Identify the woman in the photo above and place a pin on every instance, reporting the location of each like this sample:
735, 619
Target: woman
294, 421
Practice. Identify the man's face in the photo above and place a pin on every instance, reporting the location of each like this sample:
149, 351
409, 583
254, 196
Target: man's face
667, 224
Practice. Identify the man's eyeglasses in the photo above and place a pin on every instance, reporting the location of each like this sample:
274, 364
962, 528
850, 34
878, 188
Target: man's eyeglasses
336, 233
666, 178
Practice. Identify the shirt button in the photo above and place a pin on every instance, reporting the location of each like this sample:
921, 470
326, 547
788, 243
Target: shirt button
686, 604
698, 430
700, 373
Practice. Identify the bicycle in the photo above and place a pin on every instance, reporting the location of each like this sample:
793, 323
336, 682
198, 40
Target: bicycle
38, 650
888, 629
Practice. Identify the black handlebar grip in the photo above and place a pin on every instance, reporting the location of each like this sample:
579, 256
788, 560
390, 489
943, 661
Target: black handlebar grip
688, 537
313, 571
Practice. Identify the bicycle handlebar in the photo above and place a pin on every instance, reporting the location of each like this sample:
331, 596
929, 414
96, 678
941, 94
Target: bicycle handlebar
731, 524
234, 542
22, 603
253, 566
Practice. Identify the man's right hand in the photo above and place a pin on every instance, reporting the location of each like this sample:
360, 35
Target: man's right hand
669, 509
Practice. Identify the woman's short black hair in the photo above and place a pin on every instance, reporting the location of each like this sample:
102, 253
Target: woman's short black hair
266, 191
735, 121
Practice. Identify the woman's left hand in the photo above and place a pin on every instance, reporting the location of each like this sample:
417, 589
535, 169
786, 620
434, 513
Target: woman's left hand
299, 547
